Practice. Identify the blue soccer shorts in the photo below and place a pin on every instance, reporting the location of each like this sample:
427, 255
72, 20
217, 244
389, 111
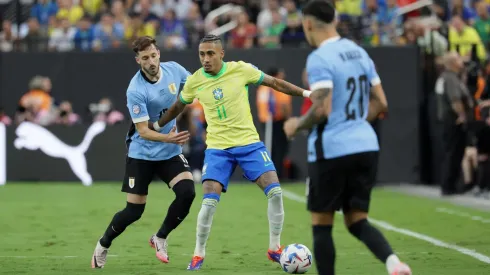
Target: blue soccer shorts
219, 165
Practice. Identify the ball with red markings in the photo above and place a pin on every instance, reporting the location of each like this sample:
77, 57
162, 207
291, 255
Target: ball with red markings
296, 259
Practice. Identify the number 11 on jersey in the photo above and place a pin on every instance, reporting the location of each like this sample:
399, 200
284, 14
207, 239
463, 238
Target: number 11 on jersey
221, 112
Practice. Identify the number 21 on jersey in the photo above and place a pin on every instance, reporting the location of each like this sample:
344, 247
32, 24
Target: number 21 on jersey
356, 85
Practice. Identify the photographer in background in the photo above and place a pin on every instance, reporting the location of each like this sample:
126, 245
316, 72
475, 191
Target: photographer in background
455, 110
104, 111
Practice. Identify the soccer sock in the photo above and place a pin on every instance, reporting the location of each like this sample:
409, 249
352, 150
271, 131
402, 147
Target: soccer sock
178, 210
275, 213
204, 221
324, 249
372, 238
120, 221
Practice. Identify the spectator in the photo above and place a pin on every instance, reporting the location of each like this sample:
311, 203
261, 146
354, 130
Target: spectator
108, 34
390, 23
369, 23
194, 25
293, 33
35, 40
181, 7
66, 115
119, 13
265, 18
4, 118
104, 111
7, 37
242, 37
84, 35
459, 9
462, 38
173, 31
61, 38
92, 7
272, 34
482, 23
138, 28
43, 10
145, 9
36, 105
70, 11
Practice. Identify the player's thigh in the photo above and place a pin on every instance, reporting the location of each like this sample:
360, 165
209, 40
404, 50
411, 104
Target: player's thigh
255, 161
173, 170
360, 181
218, 166
137, 177
326, 186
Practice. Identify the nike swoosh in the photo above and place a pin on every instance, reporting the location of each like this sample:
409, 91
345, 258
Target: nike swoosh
199, 89
268, 164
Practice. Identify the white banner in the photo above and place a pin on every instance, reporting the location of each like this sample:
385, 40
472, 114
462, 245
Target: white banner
3, 154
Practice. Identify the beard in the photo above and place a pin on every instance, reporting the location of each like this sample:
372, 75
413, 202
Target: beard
152, 71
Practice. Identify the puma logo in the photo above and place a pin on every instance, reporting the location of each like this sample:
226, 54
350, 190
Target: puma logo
35, 137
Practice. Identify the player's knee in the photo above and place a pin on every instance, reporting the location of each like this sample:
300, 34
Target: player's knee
273, 190
357, 227
185, 191
134, 211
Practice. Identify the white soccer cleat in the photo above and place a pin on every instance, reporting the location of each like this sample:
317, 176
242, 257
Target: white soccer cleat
160, 246
401, 269
100, 256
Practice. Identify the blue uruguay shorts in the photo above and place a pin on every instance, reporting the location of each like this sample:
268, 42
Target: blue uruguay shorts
219, 165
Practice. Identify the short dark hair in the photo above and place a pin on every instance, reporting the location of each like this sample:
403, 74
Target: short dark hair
142, 43
322, 10
211, 38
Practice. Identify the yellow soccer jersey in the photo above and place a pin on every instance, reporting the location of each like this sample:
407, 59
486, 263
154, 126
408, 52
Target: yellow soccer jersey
224, 98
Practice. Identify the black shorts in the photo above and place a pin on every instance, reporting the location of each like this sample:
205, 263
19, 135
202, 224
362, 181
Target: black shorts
342, 183
140, 173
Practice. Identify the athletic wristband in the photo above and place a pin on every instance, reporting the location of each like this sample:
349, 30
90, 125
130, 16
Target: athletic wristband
156, 126
306, 93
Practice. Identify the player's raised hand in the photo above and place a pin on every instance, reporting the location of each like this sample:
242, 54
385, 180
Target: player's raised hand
177, 138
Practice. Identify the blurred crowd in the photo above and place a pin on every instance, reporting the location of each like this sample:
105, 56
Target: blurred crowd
104, 25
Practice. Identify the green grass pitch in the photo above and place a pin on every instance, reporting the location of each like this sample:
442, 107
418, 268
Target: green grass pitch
53, 228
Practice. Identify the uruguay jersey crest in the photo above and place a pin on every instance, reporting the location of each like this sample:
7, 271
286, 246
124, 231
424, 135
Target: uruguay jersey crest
218, 93
172, 88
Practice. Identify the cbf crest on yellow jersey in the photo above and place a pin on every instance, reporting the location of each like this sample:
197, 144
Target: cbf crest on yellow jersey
224, 98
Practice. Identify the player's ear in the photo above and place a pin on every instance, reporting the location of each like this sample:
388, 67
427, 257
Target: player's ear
137, 60
222, 54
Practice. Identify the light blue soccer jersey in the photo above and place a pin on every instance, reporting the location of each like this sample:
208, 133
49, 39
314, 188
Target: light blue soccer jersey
347, 68
147, 101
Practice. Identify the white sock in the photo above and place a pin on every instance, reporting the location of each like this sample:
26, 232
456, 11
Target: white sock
275, 213
204, 221
391, 263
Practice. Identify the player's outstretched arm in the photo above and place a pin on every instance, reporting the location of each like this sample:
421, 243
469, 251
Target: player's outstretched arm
319, 109
284, 86
172, 137
377, 103
317, 113
170, 114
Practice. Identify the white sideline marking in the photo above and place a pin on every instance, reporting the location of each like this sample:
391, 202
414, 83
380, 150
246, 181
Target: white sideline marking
49, 257
472, 253
462, 214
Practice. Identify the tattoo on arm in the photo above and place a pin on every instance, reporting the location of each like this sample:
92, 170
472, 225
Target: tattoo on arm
172, 113
282, 86
316, 114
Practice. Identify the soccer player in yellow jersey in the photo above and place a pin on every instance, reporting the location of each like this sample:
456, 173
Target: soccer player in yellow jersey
222, 89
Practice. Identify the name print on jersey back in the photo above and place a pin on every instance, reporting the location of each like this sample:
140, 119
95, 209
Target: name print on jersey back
347, 69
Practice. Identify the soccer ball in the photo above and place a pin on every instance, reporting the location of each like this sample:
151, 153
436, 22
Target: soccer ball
296, 259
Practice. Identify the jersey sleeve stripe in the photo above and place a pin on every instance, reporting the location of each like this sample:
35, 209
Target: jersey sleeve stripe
324, 84
260, 79
141, 119
183, 100
375, 81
